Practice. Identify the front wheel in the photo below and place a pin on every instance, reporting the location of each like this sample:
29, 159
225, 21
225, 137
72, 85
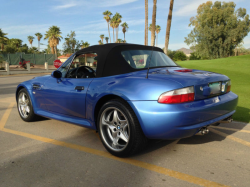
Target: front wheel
119, 129
25, 107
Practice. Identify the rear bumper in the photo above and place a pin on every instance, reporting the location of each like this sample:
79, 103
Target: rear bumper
173, 121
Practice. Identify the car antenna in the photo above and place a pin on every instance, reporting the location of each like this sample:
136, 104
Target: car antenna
150, 58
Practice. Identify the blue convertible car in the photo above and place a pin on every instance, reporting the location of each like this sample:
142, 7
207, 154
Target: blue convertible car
136, 93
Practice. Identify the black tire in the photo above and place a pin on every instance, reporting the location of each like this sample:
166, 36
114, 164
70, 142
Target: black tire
136, 141
31, 116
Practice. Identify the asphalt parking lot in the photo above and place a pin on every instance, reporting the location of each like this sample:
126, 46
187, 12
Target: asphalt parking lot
54, 153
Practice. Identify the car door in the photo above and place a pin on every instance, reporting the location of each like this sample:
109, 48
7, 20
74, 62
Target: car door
67, 95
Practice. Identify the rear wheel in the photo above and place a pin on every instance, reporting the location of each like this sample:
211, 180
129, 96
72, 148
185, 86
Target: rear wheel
25, 107
119, 129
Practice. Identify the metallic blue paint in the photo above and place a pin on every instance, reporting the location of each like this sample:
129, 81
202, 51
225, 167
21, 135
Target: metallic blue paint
57, 99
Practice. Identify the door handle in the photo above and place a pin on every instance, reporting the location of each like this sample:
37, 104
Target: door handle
79, 88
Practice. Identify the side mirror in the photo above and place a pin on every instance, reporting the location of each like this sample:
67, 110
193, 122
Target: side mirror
56, 74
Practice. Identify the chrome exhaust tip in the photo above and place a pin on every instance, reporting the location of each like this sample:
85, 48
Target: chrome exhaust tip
227, 120
203, 131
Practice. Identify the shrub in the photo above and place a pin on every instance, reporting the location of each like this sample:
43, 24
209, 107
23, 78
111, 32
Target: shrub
194, 57
180, 56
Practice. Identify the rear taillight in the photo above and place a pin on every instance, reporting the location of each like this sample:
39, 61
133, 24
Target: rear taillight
177, 96
228, 86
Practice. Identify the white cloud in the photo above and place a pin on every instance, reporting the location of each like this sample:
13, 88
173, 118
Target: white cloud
26, 29
65, 6
189, 8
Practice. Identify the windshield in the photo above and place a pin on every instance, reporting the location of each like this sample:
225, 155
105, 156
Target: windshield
141, 58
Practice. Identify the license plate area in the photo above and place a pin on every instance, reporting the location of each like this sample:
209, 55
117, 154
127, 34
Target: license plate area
215, 88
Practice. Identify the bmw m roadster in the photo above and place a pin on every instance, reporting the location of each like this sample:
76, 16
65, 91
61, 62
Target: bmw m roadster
135, 93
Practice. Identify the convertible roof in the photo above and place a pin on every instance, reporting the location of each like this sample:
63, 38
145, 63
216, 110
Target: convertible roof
110, 60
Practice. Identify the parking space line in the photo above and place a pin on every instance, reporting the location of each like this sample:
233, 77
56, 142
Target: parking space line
6, 115
144, 165
151, 167
230, 129
230, 137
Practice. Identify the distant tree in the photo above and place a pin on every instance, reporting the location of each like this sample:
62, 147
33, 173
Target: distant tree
194, 57
157, 30
30, 39
85, 45
102, 37
119, 41
117, 20
39, 37
54, 37
124, 28
107, 16
171, 54
3, 39
218, 29
113, 25
100, 42
180, 56
107, 39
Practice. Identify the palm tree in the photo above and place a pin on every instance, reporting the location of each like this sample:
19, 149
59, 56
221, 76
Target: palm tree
124, 28
119, 40
16, 42
168, 26
112, 24
67, 41
100, 42
3, 39
153, 24
54, 37
146, 22
107, 39
117, 17
30, 39
85, 45
102, 37
39, 37
157, 30
107, 16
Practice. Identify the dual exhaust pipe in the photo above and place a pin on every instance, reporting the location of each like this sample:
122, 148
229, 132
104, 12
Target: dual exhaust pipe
205, 130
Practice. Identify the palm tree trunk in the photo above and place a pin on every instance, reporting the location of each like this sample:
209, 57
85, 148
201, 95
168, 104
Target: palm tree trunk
113, 35
168, 26
56, 52
146, 23
124, 35
157, 40
109, 32
116, 34
52, 49
2, 47
85, 59
153, 24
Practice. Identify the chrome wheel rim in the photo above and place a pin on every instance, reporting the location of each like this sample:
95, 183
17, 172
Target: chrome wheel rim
114, 129
23, 105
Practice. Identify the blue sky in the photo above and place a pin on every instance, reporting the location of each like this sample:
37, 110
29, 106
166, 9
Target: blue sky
22, 18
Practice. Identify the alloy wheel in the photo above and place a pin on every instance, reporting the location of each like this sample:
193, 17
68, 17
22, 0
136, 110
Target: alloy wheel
114, 129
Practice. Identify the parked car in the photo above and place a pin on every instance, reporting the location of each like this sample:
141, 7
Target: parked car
128, 103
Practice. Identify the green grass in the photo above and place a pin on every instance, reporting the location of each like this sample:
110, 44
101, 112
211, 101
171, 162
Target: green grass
238, 70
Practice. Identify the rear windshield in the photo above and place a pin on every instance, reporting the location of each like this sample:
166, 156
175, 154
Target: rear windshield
142, 58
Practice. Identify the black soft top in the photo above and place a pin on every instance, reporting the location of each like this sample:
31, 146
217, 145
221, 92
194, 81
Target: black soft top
110, 60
